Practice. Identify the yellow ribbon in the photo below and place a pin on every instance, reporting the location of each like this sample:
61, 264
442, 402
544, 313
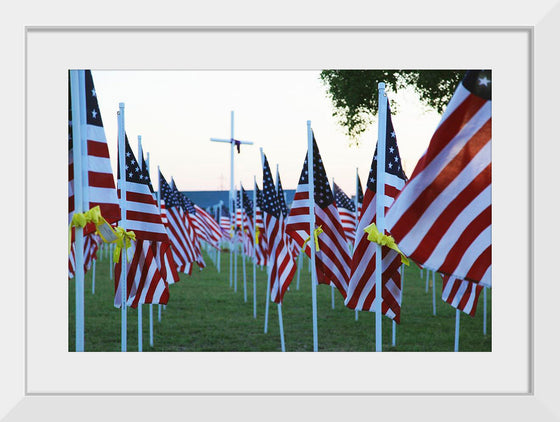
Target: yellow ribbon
82, 219
257, 232
374, 235
316, 234
123, 241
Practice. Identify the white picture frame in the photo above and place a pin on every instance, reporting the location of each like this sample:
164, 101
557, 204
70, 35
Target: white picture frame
20, 402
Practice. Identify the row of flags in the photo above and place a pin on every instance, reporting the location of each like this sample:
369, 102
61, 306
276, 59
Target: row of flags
440, 217
168, 230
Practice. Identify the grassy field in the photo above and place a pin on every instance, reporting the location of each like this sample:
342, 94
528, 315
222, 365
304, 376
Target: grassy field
205, 314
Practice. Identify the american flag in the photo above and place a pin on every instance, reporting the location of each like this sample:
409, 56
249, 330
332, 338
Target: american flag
442, 218
461, 294
181, 244
347, 212
225, 222
98, 185
142, 213
332, 260
162, 250
361, 293
282, 266
145, 283
212, 233
91, 246
248, 223
261, 245
190, 223
282, 198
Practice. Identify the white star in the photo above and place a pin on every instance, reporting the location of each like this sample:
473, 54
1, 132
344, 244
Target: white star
483, 81
94, 114
396, 159
392, 134
93, 93
391, 149
132, 162
390, 165
128, 154
137, 169
129, 174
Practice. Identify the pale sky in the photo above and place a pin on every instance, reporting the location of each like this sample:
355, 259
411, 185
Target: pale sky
177, 112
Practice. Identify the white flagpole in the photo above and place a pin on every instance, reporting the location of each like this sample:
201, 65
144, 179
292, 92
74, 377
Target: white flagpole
332, 287
123, 224
280, 320
235, 249
219, 265
242, 243
267, 273
281, 325
457, 315
158, 195
311, 233
77, 90
93, 277
427, 280
151, 314
434, 292
380, 209
140, 340
357, 219
484, 313
298, 269
255, 249
111, 261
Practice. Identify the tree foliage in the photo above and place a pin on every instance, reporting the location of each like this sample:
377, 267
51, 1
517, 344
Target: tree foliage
354, 92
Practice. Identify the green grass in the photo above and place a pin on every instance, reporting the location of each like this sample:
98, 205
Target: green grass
205, 314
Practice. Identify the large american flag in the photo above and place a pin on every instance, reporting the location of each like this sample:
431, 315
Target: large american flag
347, 212
361, 294
332, 260
282, 266
461, 294
98, 185
261, 245
182, 246
442, 218
145, 283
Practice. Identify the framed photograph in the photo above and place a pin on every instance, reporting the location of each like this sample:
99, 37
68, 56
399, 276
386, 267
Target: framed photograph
515, 380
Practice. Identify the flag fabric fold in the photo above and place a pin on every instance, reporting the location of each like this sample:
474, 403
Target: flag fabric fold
282, 266
442, 217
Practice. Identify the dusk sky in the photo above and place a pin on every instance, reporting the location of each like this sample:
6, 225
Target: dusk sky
177, 112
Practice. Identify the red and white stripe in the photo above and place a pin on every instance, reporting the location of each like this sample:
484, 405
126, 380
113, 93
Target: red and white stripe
282, 264
348, 221
184, 253
362, 281
332, 260
461, 294
261, 245
442, 218
91, 246
145, 283
210, 230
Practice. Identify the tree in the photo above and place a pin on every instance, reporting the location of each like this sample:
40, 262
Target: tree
354, 92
